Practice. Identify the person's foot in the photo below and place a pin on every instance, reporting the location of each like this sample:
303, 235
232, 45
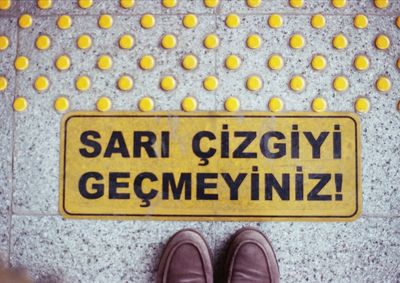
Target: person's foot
186, 259
251, 258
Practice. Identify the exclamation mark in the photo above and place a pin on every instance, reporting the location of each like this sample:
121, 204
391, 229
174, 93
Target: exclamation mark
338, 183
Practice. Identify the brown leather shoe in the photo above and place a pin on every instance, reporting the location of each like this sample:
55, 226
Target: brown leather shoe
251, 258
186, 259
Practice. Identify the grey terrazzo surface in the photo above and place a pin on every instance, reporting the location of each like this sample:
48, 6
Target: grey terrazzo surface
32, 234
128, 251
7, 25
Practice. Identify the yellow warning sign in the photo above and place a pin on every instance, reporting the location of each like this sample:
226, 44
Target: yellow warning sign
211, 166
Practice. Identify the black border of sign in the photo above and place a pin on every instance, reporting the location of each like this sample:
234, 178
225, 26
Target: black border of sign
209, 215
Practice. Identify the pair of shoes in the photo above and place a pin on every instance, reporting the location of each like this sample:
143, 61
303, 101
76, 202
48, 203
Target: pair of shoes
187, 259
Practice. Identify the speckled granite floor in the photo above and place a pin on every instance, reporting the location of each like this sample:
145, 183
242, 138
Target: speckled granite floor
34, 235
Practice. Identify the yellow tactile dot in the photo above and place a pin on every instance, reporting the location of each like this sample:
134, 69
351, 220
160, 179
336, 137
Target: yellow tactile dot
383, 84
275, 62
4, 42
44, 4
64, 22
63, 63
105, 21
189, 62
318, 104
25, 21
5, 4
398, 22
189, 104
361, 62
84, 41
275, 104
146, 62
381, 4
254, 83
3, 83
318, 62
297, 41
210, 83
253, 3
275, 21
211, 41
253, 41
360, 21
146, 104
340, 83
318, 21
20, 104
169, 3
339, 41
21, 63
232, 21
339, 3
168, 41
147, 21
362, 105
43, 42
382, 42
85, 4
125, 83
211, 3
41, 83
189, 21
127, 4
103, 104
232, 104
61, 104
297, 83
232, 62
168, 83
398, 63
126, 41
296, 3
82, 83
104, 62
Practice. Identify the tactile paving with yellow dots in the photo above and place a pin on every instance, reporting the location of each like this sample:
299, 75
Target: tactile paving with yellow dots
144, 55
